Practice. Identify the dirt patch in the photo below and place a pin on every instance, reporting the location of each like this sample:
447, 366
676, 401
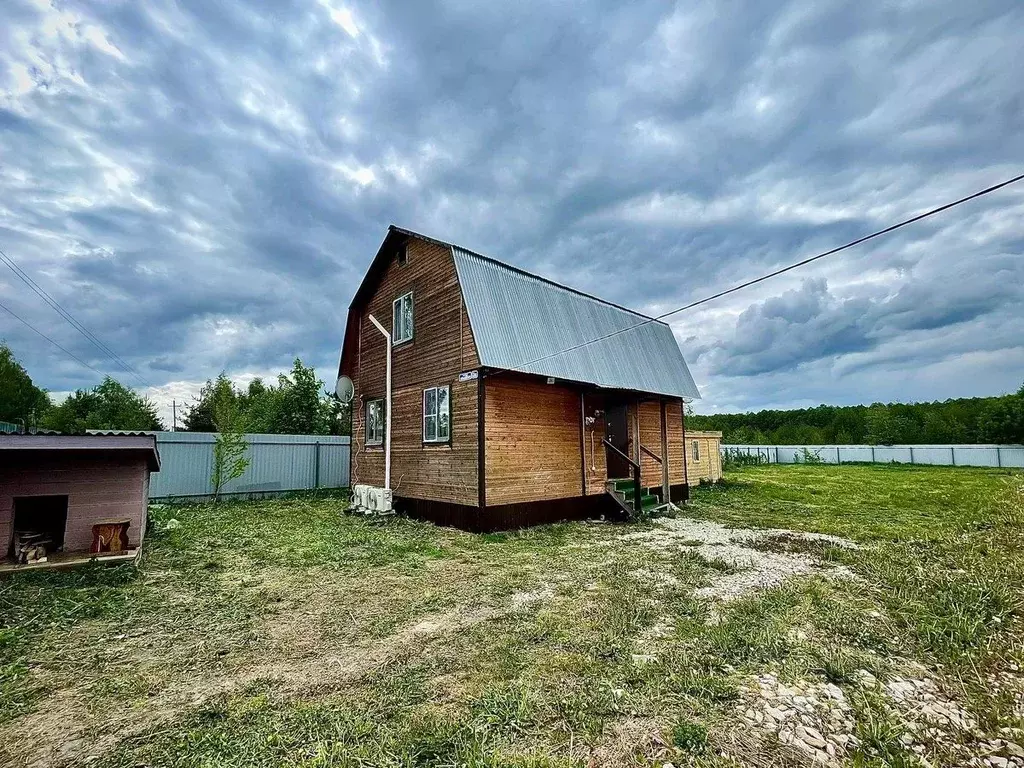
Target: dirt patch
623, 741
749, 566
64, 729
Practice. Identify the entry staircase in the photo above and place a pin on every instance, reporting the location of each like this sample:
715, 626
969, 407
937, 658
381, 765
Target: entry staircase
624, 492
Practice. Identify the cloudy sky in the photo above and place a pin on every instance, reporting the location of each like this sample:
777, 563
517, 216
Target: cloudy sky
202, 184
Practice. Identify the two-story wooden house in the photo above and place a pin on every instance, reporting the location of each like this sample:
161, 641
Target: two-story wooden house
516, 400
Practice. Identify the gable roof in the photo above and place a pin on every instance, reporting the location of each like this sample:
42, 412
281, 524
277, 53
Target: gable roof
527, 323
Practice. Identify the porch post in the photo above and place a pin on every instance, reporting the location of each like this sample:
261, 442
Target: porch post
666, 490
686, 470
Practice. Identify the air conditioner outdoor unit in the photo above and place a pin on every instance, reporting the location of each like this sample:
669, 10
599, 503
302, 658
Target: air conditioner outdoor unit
370, 500
359, 497
380, 499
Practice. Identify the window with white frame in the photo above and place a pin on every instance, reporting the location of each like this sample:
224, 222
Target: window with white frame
696, 450
436, 418
401, 319
374, 422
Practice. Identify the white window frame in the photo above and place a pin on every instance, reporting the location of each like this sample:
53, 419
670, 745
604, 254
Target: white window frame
380, 438
696, 450
436, 415
402, 335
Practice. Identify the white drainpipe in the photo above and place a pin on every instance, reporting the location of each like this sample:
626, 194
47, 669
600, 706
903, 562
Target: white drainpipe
387, 407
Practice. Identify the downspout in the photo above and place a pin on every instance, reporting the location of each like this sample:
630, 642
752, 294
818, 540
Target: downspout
387, 406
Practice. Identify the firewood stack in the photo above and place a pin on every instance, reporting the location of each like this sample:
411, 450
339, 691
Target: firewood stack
30, 547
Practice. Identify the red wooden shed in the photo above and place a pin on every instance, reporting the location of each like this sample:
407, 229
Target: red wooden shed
68, 498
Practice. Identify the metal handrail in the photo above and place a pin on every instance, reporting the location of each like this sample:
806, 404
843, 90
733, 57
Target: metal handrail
650, 453
637, 490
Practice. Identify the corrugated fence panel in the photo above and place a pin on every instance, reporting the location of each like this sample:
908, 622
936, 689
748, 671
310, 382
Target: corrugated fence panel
277, 463
937, 455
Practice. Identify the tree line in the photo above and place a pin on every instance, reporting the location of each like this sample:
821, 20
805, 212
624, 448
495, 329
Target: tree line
963, 420
296, 403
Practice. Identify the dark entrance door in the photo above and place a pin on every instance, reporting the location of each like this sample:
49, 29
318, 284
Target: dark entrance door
617, 432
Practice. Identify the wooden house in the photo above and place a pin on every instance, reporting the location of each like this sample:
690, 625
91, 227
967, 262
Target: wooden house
506, 411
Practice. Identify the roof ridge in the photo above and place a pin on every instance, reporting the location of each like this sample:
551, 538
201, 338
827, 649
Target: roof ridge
533, 275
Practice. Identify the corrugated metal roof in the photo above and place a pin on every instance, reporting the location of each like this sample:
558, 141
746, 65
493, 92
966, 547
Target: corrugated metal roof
519, 319
123, 442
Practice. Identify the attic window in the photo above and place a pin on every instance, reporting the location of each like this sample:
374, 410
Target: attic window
401, 319
403, 255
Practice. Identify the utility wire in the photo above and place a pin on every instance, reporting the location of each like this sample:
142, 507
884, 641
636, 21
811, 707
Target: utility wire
777, 272
58, 346
56, 306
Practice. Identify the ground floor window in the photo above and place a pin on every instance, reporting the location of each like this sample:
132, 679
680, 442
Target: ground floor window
374, 422
436, 418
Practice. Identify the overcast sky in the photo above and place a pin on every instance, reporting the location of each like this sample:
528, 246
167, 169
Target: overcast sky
202, 184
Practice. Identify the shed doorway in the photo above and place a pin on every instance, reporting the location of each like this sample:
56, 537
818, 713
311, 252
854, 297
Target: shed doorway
39, 525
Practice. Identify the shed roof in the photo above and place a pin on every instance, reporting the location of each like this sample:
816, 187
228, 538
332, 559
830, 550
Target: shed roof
524, 322
101, 443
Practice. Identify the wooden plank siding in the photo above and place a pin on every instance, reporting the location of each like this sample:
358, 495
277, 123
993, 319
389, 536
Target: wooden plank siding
594, 453
708, 468
532, 440
442, 346
674, 422
650, 438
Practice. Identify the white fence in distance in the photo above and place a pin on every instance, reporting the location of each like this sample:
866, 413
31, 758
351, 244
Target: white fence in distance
939, 455
277, 464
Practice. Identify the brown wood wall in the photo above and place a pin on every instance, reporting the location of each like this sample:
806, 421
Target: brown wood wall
532, 440
594, 450
674, 419
441, 348
650, 438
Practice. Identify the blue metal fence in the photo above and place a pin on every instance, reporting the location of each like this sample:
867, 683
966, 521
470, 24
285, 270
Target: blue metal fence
277, 463
942, 455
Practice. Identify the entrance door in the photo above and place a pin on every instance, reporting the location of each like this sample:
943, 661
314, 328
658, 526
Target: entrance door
617, 432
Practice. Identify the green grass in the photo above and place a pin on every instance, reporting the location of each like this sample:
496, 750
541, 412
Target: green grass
864, 502
285, 633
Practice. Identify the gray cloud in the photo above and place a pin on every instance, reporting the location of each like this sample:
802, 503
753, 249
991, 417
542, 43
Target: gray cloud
203, 184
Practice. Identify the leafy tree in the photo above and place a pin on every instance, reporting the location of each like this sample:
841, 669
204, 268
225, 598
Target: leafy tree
304, 407
297, 404
1003, 422
963, 420
230, 448
20, 399
199, 416
110, 405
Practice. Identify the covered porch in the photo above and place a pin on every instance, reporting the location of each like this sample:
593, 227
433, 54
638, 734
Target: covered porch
634, 448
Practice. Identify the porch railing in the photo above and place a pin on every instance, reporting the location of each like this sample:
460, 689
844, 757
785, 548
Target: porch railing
637, 491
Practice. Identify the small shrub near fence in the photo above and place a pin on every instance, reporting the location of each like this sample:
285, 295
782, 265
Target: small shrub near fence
274, 464
734, 457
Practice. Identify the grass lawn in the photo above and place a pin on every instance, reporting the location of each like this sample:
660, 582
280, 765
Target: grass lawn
878, 622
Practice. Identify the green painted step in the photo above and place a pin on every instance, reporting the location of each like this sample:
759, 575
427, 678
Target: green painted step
647, 501
624, 485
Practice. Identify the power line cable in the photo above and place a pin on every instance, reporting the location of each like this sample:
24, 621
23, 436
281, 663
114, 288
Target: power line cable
777, 272
58, 346
56, 306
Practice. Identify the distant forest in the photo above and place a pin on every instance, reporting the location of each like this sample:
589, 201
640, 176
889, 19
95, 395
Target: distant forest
967, 420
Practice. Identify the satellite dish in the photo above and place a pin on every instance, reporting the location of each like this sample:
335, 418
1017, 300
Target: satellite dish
345, 390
